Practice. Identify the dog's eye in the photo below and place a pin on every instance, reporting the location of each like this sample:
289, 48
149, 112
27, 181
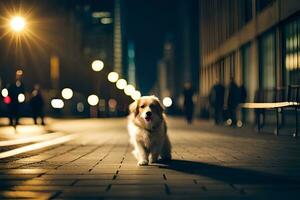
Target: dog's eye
142, 106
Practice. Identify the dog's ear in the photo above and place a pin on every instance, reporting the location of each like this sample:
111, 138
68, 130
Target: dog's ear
133, 107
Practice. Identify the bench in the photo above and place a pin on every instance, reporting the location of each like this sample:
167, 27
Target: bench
279, 102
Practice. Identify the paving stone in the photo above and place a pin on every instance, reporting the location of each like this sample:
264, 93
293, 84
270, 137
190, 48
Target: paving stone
210, 164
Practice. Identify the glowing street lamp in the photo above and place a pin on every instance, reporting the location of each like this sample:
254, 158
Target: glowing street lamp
67, 93
136, 95
113, 77
167, 101
129, 90
4, 92
21, 98
93, 100
97, 65
17, 23
121, 84
57, 103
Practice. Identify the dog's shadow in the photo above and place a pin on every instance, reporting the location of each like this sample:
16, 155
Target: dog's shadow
227, 174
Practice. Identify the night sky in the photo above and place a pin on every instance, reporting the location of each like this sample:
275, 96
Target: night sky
148, 23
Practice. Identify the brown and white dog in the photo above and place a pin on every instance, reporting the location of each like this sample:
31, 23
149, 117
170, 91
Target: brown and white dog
148, 130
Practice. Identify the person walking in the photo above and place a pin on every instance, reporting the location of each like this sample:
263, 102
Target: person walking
233, 100
14, 92
188, 103
37, 105
217, 101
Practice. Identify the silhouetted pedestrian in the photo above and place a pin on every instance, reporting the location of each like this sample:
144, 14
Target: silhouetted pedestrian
188, 103
233, 100
15, 92
37, 105
217, 101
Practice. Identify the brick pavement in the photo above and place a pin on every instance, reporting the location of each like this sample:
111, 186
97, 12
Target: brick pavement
209, 163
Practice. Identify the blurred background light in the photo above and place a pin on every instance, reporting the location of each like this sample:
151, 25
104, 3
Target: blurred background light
7, 100
80, 107
113, 77
167, 101
121, 84
129, 89
57, 103
67, 93
97, 65
4, 92
106, 20
93, 100
112, 103
101, 14
21, 98
136, 95
17, 23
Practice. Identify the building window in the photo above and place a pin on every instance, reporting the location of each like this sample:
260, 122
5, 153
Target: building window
291, 55
262, 4
267, 60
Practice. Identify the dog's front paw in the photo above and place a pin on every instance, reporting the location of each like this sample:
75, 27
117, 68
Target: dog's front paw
143, 162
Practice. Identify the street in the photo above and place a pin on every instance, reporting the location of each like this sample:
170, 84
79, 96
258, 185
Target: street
91, 159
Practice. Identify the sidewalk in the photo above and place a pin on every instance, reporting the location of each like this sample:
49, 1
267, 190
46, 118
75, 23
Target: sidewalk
208, 163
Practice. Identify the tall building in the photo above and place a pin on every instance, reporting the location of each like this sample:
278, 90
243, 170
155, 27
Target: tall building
117, 37
255, 41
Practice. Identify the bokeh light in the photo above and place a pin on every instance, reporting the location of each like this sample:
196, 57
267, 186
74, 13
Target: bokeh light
167, 101
113, 77
4, 92
121, 84
129, 89
21, 98
97, 65
57, 103
67, 93
136, 95
93, 100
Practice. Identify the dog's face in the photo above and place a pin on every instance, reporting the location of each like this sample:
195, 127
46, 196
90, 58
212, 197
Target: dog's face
148, 111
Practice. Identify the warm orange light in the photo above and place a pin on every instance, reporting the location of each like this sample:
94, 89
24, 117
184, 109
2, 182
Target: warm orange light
17, 23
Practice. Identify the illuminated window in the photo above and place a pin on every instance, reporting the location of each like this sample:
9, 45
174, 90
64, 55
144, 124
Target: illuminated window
291, 53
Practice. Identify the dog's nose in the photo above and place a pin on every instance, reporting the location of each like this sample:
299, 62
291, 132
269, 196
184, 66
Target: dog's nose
148, 114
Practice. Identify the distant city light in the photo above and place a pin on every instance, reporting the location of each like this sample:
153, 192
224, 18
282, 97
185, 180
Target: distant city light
21, 98
97, 65
7, 100
80, 107
101, 14
112, 103
136, 95
57, 103
113, 77
4, 92
129, 89
106, 20
17, 23
67, 93
93, 100
121, 84
167, 101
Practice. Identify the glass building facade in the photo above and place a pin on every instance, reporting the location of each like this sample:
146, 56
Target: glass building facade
291, 54
259, 47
